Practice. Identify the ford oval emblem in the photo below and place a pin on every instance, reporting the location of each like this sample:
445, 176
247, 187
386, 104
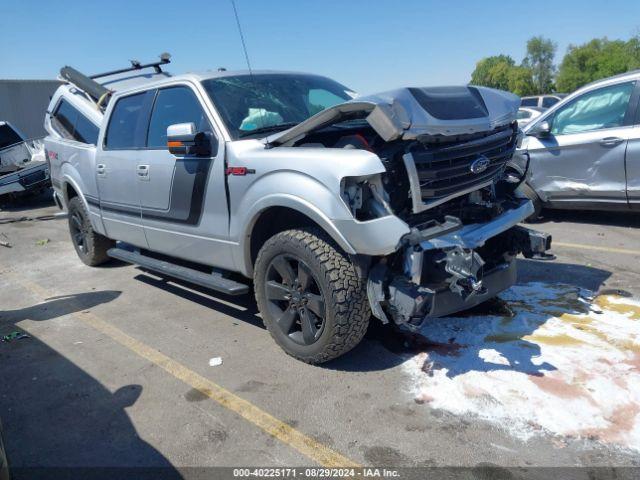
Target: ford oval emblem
480, 164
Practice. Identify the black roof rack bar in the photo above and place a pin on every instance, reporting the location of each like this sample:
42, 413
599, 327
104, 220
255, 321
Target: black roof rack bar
136, 65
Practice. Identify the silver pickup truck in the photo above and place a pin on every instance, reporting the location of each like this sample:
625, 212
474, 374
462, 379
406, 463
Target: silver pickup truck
339, 207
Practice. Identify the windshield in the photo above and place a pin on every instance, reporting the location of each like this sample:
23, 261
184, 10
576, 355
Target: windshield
266, 103
8, 136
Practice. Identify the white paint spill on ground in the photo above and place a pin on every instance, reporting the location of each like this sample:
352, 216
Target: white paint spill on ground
566, 364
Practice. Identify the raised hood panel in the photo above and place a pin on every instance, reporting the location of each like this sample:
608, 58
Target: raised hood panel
408, 113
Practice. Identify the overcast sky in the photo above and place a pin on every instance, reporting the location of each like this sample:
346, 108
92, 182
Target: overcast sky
367, 45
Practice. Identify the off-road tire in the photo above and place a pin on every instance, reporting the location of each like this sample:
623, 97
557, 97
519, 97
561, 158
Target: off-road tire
347, 310
531, 194
95, 245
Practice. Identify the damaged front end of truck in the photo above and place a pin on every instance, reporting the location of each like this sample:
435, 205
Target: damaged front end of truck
445, 152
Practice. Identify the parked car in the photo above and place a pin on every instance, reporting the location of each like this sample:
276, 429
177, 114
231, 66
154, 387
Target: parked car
528, 114
584, 153
23, 168
394, 204
542, 101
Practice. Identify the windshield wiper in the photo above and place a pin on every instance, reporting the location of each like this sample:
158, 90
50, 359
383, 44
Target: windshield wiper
268, 128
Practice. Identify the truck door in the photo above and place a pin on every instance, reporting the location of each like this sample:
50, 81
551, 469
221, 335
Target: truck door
582, 161
116, 169
183, 199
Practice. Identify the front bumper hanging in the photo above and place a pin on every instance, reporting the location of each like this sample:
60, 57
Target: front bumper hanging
448, 273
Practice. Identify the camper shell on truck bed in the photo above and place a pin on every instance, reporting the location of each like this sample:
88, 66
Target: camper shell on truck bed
399, 205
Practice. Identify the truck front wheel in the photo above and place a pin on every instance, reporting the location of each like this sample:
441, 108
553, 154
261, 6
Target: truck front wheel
90, 246
312, 300
531, 194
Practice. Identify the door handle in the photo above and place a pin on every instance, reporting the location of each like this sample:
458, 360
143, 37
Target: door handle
101, 169
611, 141
142, 171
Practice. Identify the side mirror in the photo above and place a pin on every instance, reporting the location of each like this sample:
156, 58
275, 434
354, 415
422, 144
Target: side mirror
541, 130
182, 139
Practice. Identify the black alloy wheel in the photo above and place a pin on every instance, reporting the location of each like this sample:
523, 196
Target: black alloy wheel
78, 231
295, 299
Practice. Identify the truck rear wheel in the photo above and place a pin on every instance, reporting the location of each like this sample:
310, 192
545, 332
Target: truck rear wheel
312, 300
90, 246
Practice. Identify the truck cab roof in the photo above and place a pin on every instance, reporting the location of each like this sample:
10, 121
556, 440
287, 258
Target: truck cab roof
121, 83
133, 80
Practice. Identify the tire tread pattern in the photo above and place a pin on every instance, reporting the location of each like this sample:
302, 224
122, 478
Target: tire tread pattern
348, 292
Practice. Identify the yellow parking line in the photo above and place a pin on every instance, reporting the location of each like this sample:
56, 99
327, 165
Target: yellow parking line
306, 445
593, 247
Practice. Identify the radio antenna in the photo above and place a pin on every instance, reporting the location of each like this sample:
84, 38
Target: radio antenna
244, 49
244, 45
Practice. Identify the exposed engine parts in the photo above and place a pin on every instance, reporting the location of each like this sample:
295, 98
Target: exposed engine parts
446, 189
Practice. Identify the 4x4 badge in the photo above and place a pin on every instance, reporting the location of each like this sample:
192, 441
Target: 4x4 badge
480, 164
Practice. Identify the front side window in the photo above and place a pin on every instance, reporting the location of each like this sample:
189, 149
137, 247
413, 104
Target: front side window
549, 101
124, 123
72, 125
267, 103
602, 108
174, 105
530, 102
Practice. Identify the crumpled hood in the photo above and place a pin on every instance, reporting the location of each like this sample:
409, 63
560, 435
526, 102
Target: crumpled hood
408, 113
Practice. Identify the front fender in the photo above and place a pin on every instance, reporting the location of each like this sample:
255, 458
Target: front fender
304, 194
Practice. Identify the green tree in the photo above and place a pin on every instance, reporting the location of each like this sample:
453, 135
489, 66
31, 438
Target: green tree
501, 71
521, 81
539, 59
493, 72
599, 58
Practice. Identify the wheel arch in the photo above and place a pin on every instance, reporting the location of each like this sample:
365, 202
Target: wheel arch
278, 217
70, 189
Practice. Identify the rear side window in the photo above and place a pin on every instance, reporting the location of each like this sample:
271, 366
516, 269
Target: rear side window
174, 105
124, 123
72, 125
530, 102
549, 101
85, 131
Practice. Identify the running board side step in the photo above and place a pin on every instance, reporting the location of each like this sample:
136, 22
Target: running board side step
214, 281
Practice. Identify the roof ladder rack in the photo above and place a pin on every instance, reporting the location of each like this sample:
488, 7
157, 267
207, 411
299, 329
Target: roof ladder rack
96, 91
136, 65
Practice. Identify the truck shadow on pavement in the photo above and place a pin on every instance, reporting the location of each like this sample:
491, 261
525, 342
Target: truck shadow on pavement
59, 421
387, 346
241, 307
453, 340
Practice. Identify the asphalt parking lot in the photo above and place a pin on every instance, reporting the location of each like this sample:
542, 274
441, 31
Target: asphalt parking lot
115, 371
